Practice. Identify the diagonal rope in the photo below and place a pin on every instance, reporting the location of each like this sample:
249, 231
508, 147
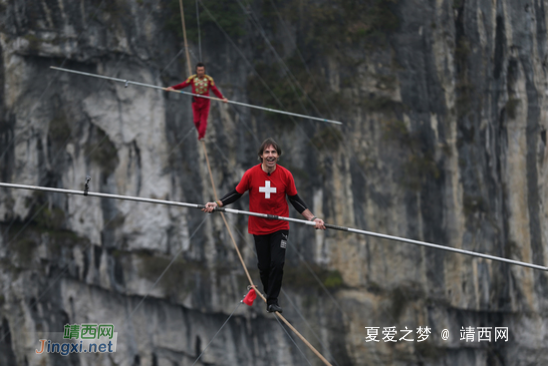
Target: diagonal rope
55, 157
292, 340
85, 248
242, 55
166, 269
294, 79
224, 219
296, 124
184, 36
339, 138
226, 321
230, 232
295, 306
6, 232
289, 36
309, 326
285, 68
43, 205
321, 283
328, 293
199, 34
262, 81
173, 59
234, 241
52, 163
326, 104
117, 68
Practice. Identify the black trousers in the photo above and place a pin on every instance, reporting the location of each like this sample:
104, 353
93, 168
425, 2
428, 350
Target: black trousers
271, 254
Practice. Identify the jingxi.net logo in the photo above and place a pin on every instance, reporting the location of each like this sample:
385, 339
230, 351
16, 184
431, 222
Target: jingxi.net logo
80, 338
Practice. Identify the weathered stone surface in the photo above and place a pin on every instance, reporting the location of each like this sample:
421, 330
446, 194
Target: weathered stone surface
444, 140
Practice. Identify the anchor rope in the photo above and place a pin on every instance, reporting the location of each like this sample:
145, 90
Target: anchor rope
295, 306
278, 315
83, 250
222, 326
166, 269
199, 32
292, 340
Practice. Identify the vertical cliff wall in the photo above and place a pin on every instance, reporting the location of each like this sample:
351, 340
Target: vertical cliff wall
444, 140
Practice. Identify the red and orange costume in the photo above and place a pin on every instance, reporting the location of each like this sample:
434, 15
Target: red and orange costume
200, 106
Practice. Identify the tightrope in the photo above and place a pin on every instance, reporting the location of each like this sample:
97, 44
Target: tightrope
274, 217
129, 82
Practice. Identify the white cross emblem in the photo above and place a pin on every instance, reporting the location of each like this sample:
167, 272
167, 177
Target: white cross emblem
267, 189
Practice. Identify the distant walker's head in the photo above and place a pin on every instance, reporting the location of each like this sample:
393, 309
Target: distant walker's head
200, 69
269, 152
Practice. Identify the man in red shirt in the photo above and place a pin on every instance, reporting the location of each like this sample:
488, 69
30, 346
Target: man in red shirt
268, 184
201, 83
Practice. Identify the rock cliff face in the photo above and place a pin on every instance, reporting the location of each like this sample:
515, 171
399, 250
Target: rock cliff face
444, 140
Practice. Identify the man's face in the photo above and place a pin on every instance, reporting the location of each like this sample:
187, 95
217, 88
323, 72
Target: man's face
200, 71
269, 156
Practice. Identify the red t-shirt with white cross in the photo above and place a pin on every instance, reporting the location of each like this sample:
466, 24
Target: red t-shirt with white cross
267, 195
